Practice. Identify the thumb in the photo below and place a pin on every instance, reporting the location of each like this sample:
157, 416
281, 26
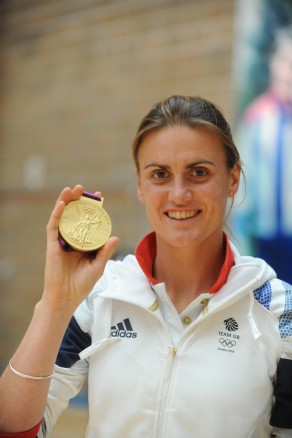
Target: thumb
107, 250
110, 246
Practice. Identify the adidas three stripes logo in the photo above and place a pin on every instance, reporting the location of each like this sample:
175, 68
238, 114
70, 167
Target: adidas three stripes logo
123, 329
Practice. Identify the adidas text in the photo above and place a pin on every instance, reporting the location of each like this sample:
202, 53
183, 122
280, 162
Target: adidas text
123, 334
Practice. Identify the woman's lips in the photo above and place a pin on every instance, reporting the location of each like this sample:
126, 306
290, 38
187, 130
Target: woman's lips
179, 215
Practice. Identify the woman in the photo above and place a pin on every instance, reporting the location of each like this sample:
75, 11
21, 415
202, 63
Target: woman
183, 339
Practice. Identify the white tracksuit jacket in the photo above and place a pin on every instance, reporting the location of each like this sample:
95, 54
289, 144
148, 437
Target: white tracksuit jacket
216, 382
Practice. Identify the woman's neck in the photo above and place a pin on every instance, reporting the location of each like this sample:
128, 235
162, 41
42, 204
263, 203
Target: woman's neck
188, 272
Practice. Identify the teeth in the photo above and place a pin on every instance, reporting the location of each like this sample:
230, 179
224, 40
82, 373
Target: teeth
181, 214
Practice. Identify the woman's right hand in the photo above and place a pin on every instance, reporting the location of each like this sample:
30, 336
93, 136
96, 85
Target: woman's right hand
70, 276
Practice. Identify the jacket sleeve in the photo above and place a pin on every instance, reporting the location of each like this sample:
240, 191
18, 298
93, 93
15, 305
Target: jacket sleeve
69, 374
282, 411
282, 433
281, 417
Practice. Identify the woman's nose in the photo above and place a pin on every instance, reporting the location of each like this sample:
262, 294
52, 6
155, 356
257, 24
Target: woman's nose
179, 192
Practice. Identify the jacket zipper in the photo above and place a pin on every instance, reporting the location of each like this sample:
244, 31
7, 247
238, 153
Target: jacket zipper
166, 384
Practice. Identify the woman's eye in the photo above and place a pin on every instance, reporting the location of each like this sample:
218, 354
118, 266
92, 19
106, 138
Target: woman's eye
159, 174
200, 172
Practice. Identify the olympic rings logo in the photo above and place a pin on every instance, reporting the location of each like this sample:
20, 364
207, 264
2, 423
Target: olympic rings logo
227, 342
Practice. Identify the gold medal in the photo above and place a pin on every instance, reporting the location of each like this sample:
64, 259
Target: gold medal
84, 225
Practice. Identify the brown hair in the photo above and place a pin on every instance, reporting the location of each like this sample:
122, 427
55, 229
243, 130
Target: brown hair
189, 111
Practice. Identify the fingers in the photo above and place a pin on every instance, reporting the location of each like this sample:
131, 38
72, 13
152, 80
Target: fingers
77, 192
67, 195
53, 224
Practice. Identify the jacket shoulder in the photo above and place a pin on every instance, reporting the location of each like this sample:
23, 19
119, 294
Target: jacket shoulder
276, 296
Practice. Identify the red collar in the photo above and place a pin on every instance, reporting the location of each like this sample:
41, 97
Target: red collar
146, 253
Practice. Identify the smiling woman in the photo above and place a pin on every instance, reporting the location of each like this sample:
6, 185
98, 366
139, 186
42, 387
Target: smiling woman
196, 320
188, 180
187, 168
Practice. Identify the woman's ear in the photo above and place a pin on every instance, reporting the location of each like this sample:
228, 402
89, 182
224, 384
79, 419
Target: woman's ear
234, 180
139, 191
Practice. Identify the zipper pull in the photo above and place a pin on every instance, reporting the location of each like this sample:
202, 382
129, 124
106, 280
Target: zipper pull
172, 350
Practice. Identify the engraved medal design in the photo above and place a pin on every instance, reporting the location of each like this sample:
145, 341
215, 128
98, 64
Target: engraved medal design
85, 226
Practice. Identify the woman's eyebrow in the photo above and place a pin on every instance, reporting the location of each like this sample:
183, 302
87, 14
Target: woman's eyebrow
188, 166
161, 166
199, 162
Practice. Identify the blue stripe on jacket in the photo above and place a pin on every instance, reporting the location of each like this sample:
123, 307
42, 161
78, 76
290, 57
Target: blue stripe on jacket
74, 341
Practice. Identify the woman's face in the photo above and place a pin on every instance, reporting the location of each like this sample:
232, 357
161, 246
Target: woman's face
184, 182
